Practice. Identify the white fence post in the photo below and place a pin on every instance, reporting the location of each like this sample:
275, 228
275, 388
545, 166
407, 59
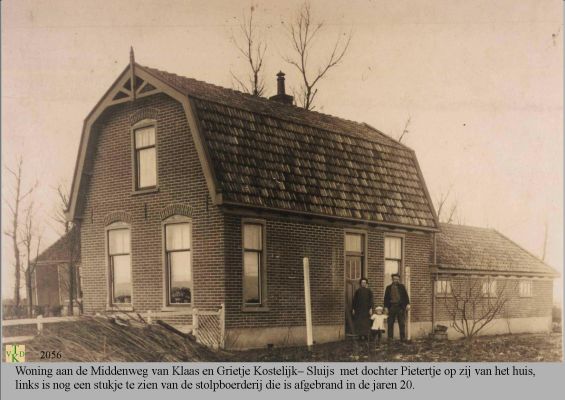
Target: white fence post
195, 322
149, 317
222, 316
39, 323
408, 322
308, 303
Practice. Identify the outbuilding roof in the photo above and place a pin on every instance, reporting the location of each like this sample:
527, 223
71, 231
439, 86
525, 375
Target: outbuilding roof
277, 156
472, 249
60, 251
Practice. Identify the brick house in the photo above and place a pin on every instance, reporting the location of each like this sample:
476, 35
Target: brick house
190, 195
499, 268
51, 274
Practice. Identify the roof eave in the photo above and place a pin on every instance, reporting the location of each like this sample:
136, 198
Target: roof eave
463, 270
331, 217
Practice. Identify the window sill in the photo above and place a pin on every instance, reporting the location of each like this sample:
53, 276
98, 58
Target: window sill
119, 308
183, 307
145, 191
252, 309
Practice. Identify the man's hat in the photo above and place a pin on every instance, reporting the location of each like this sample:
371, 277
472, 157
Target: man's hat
395, 274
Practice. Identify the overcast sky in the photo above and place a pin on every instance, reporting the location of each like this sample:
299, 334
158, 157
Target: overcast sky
481, 82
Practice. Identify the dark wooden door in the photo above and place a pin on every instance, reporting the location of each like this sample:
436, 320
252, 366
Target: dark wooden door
353, 273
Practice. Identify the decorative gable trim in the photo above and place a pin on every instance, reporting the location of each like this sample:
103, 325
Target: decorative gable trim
135, 73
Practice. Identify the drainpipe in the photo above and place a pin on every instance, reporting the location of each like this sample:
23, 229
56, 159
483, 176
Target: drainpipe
434, 279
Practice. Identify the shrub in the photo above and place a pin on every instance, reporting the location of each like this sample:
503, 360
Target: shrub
557, 313
56, 311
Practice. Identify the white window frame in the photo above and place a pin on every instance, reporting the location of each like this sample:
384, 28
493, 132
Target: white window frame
526, 293
109, 267
262, 305
443, 288
176, 219
402, 256
489, 288
146, 123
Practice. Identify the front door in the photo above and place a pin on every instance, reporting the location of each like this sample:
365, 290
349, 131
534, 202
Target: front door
354, 270
352, 277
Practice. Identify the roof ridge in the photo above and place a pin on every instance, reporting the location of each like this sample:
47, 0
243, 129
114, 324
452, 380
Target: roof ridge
523, 249
466, 226
265, 100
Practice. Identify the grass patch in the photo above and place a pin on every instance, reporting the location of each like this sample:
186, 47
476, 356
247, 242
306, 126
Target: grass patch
98, 339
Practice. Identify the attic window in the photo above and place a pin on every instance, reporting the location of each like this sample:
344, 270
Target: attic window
145, 157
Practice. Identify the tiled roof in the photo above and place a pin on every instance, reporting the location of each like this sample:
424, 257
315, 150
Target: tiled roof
59, 252
272, 155
480, 249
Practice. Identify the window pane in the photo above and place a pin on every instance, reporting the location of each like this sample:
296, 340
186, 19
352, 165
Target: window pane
121, 268
525, 288
489, 288
443, 287
118, 241
251, 278
353, 267
393, 248
252, 237
145, 137
180, 277
354, 243
147, 174
178, 236
391, 267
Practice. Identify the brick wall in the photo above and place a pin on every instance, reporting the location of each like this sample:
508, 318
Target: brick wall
287, 244
108, 195
538, 305
216, 237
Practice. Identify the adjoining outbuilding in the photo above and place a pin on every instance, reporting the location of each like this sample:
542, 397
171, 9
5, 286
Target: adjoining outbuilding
481, 268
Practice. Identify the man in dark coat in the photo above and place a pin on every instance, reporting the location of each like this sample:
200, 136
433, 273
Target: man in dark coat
397, 303
362, 309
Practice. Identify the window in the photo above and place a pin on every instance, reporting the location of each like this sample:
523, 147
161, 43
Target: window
354, 255
525, 288
393, 258
489, 288
120, 266
443, 288
145, 157
253, 264
178, 259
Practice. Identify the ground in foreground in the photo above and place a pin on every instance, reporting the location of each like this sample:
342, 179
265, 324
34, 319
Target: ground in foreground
102, 340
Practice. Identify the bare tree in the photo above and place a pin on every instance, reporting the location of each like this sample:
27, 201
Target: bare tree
303, 31
59, 215
69, 282
544, 251
14, 205
30, 239
253, 49
446, 211
475, 302
405, 130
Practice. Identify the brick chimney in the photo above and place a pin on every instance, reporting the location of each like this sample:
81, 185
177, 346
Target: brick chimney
281, 95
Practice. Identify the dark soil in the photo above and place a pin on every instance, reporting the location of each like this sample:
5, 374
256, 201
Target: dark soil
101, 339
509, 348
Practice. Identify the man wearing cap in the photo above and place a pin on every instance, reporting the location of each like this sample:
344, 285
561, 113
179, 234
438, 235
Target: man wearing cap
397, 303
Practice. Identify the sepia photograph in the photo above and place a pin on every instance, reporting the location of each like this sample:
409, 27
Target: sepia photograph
297, 181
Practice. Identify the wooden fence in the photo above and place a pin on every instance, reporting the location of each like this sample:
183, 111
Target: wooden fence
208, 327
39, 321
